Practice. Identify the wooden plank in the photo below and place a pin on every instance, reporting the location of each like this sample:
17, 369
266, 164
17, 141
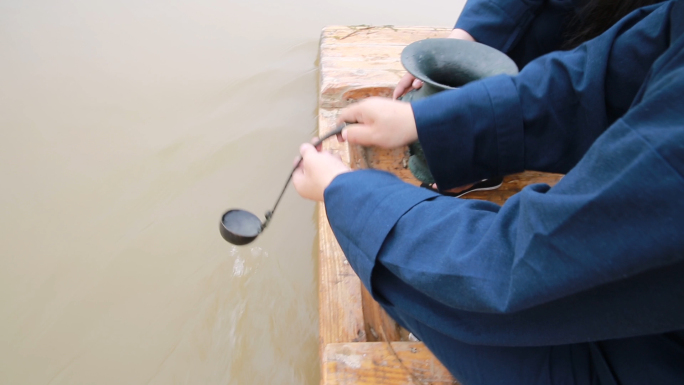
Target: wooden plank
340, 299
379, 35
378, 56
350, 90
376, 323
513, 184
379, 325
374, 363
339, 302
327, 119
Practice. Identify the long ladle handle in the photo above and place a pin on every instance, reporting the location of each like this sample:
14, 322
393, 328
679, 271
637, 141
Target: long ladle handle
269, 214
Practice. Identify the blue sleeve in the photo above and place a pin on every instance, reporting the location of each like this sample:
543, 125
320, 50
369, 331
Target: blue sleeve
598, 256
497, 23
502, 24
546, 117
545, 33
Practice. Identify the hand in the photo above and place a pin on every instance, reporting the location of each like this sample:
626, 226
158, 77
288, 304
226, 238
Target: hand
316, 172
379, 122
409, 82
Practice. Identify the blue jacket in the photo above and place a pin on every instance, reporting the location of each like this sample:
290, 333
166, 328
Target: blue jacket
598, 256
536, 26
523, 29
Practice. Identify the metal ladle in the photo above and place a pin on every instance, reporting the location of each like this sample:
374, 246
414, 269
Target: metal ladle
241, 227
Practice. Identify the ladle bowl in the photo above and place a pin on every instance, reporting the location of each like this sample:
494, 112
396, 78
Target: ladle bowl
241, 227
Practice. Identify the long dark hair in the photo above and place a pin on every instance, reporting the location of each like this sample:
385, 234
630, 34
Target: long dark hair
596, 16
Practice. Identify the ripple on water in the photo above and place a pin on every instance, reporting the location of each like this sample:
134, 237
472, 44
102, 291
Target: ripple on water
238, 267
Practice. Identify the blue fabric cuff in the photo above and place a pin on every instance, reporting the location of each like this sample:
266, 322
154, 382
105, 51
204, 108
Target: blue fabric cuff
488, 119
498, 24
510, 130
363, 207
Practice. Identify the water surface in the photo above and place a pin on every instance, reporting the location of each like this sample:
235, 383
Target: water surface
126, 129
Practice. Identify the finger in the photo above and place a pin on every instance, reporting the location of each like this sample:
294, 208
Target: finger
299, 180
359, 134
320, 145
342, 136
295, 161
398, 91
306, 149
417, 84
403, 85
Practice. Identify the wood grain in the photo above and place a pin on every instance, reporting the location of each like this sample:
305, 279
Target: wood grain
379, 325
340, 300
378, 35
373, 363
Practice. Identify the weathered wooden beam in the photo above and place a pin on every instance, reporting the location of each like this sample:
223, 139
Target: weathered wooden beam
387, 35
340, 301
374, 363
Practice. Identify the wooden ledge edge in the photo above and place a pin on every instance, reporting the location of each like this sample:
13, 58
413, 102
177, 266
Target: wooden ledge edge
375, 363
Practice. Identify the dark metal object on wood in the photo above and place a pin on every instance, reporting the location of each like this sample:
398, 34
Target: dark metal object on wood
445, 64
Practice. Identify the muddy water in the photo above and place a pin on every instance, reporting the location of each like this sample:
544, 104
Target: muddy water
126, 128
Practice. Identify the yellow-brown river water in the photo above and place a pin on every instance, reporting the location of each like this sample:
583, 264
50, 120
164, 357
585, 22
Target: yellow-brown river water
126, 129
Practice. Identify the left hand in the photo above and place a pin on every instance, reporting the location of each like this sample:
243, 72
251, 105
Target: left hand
316, 172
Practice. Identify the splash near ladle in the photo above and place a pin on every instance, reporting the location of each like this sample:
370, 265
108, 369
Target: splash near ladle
241, 227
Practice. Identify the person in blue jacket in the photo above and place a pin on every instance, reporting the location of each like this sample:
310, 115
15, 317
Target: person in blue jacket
582, 283
525, 30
